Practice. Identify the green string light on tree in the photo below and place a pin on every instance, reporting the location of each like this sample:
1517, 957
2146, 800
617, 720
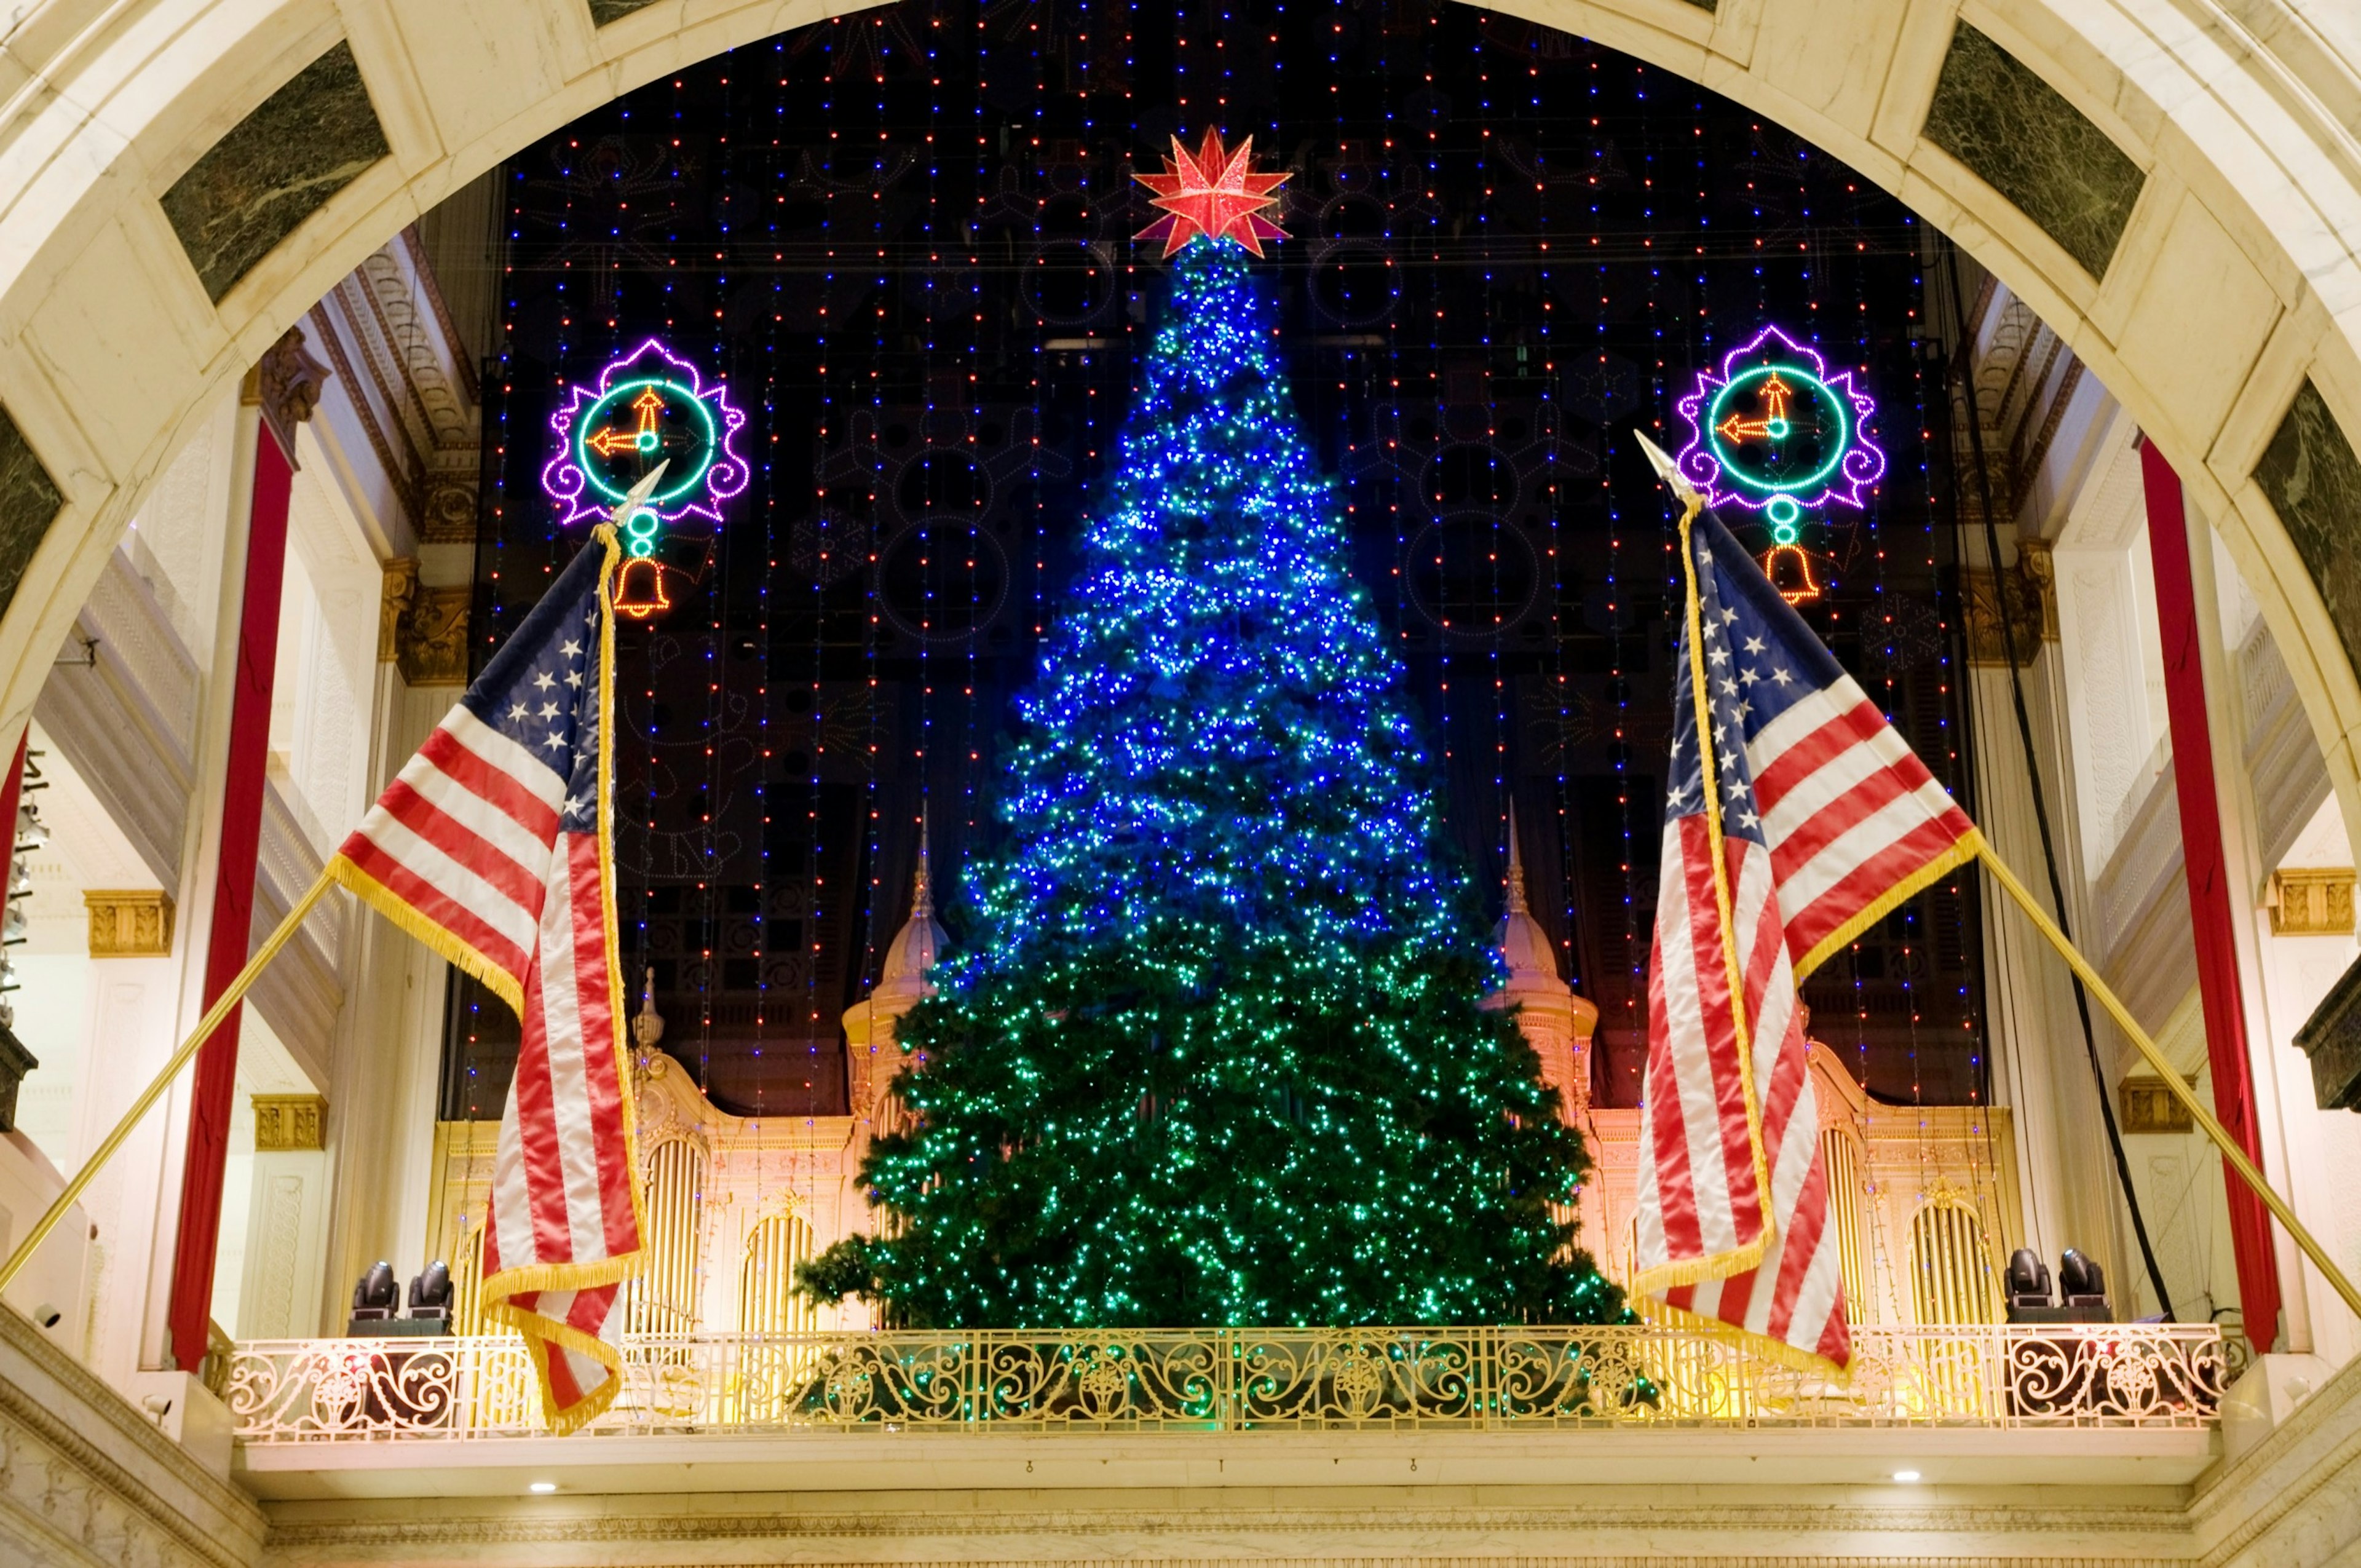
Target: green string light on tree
1213, 1053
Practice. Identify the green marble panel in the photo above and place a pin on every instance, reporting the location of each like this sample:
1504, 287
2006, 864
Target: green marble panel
2028, 143
605, 11
2313, 479
29, 502
304, 144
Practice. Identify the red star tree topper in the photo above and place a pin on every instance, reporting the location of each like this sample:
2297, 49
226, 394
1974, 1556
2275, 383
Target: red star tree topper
1212, 194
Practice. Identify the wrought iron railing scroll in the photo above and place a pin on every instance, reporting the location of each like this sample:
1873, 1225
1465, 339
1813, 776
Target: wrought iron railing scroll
1233, 1380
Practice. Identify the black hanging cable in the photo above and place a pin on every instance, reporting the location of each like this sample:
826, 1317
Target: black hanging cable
1959, 363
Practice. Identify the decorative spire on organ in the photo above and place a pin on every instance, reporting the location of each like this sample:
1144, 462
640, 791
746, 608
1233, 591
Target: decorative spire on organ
1556, 1023
1525, 950
903, 980
872, 1056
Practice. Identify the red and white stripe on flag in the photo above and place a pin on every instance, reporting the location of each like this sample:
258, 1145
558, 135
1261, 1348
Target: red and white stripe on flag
1722, 1234
1854, 820
1826, 820
491, 846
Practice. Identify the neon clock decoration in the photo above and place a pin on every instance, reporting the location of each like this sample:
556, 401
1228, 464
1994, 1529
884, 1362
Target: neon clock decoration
649, 406
1775, 432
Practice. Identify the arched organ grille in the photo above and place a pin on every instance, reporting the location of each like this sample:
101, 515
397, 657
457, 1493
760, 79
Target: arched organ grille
1849, 1212
1951, 1273
664, 1298
767, 1302
467, 1282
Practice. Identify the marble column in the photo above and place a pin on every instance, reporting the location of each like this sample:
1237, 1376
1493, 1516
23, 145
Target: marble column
2040, 1069
283, 388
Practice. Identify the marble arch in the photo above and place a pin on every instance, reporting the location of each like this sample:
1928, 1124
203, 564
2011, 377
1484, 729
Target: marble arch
2232, 280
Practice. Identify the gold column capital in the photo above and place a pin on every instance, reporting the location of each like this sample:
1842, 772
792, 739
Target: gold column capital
430, 633
129, 923
2026, 588
2146, 1105
288, 1123
285, 384
2311, 901
398, 592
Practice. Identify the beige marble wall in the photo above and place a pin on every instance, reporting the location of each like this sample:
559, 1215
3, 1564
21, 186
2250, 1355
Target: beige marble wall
2234, 280
87, 1482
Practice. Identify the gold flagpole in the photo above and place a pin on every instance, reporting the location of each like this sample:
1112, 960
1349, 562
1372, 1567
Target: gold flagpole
2232, 1154
1750, 1254
214, 1015
163, 1081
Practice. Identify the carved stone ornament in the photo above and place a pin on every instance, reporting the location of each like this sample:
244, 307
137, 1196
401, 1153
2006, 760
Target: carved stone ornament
431, 639
286, 385
290, 1124
2148, 1106
129, 923
2312, 902
2032, 603
446, 509
2331, 1039
400, 591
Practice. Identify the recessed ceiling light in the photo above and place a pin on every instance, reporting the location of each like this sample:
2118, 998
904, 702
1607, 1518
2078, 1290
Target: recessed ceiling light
1898, 1475
545, 1487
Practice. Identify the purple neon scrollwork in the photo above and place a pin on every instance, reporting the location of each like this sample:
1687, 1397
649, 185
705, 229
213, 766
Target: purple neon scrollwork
1859, 466
699, 494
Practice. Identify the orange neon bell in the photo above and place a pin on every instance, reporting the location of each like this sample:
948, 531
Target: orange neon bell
640, 588
1790, 571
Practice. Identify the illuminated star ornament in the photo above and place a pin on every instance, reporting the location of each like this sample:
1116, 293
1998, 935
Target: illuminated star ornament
1211, 195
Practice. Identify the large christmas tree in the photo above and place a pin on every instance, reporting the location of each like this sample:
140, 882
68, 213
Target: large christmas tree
1212, 1052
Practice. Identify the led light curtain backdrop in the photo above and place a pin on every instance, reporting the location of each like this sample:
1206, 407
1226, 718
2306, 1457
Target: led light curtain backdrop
869, 291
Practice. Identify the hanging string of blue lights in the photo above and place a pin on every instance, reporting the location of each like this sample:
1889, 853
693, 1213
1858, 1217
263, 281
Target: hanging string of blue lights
912, 221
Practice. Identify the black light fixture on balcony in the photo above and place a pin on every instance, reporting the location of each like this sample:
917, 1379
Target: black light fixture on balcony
2082, 1296
2029, 1281
2083, 1284
430, 1294
375, 1298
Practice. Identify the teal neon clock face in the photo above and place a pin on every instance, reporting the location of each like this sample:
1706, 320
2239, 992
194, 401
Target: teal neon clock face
647, 408
1778, 430
638, 423
1775, 431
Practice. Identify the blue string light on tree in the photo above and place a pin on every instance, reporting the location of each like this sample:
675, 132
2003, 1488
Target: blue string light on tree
648, 406
1214, 1052
1773, 432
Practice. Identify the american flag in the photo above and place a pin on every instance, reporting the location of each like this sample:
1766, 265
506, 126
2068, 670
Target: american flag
1826, 820
491, 847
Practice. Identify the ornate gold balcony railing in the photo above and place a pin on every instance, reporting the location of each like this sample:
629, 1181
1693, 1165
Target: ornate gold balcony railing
1226, 1380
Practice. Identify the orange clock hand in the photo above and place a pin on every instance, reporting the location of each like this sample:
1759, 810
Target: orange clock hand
1773, 423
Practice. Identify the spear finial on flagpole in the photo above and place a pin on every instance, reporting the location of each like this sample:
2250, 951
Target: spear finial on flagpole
1692, 500
640, 494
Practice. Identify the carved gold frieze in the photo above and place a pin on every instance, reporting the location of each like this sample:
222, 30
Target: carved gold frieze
2030, 599
288, 1123
129, 923
400, 590
2146, 1105
446, 509
2313, 901
431, 636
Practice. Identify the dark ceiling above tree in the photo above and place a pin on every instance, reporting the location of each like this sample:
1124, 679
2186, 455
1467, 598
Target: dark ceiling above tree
903, 238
